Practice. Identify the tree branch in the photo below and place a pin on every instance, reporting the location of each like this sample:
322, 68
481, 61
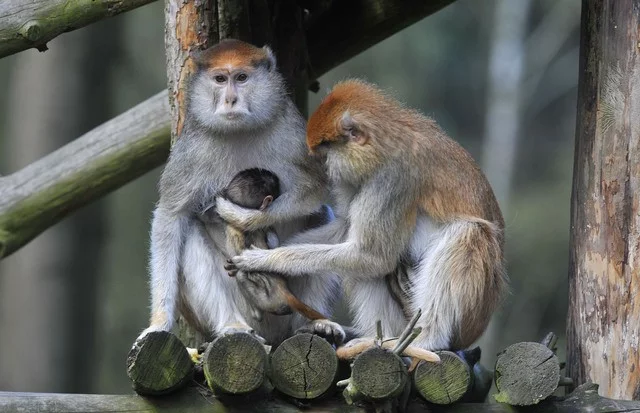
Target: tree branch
41, 194
27, 24
347, 28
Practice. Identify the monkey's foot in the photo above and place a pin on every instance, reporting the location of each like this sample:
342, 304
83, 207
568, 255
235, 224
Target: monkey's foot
194, 354
150, 329
327, 329
240, 328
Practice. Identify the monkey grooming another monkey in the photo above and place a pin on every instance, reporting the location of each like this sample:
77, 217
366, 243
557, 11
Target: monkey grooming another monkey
407, 192
238, 116
256, 189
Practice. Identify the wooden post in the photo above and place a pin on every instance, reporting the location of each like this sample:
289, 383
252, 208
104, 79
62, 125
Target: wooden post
604, 271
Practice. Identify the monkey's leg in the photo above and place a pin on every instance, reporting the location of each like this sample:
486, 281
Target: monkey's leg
167, 234
458, 284
209, 290
371, 300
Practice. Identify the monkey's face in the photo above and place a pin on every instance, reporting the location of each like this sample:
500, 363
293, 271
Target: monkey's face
237, 89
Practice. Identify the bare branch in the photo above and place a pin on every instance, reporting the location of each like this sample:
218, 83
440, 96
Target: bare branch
98, 162
27, 24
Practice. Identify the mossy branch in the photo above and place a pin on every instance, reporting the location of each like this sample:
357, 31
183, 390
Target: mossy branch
44, 192
27, 24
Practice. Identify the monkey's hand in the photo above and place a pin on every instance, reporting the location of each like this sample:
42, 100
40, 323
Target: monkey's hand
251, 260
327, 329
242, 218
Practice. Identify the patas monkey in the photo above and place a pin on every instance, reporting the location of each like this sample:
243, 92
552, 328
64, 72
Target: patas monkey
409, 194
256, 189
239, 116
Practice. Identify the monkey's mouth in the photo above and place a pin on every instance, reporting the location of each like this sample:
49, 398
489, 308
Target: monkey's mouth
233, 116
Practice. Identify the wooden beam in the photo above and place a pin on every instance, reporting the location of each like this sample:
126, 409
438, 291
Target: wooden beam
44, 192
27, 24
342, 29
603, 328
584, 399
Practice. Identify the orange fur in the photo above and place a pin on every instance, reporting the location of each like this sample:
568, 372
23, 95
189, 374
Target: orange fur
453, 185
370, 134
231, 53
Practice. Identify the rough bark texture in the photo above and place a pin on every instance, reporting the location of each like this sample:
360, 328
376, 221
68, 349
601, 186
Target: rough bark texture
27, 24
304, 366
41, 194
159, 364
235, 364
526, 373
604, 274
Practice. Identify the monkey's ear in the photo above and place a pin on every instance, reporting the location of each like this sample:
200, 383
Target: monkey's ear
271, 57
266, 202
351, 129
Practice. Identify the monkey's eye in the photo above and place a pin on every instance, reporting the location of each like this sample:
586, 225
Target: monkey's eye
220, 78
242, 77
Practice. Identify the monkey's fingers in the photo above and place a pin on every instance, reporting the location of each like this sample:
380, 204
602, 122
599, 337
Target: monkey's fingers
231, 268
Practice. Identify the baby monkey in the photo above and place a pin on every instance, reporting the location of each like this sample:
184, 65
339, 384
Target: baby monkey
265, 292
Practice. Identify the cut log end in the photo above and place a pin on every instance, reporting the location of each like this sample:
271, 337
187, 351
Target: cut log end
445, 382
526, 373
377, 374
304, 366
158, 364
235, 364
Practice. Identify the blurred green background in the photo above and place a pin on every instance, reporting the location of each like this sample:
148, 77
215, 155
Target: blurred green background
499, 75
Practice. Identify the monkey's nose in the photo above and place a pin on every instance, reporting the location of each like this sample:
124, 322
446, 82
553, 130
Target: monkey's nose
231, 100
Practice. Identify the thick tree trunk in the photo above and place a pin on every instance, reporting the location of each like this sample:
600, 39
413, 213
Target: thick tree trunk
604, 273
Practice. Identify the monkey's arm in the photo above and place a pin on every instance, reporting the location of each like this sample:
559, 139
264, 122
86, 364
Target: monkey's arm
167, 240
381, 219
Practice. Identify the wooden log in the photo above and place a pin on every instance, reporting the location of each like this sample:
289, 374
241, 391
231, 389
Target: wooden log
235, 364
445, 382
159, 364
27, 24
604, 261
458, 377
304, 366
376, 375
584, 399
526, 373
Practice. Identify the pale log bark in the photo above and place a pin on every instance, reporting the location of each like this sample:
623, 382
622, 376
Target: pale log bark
604, 271
584, 399
98, 162
27, 24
